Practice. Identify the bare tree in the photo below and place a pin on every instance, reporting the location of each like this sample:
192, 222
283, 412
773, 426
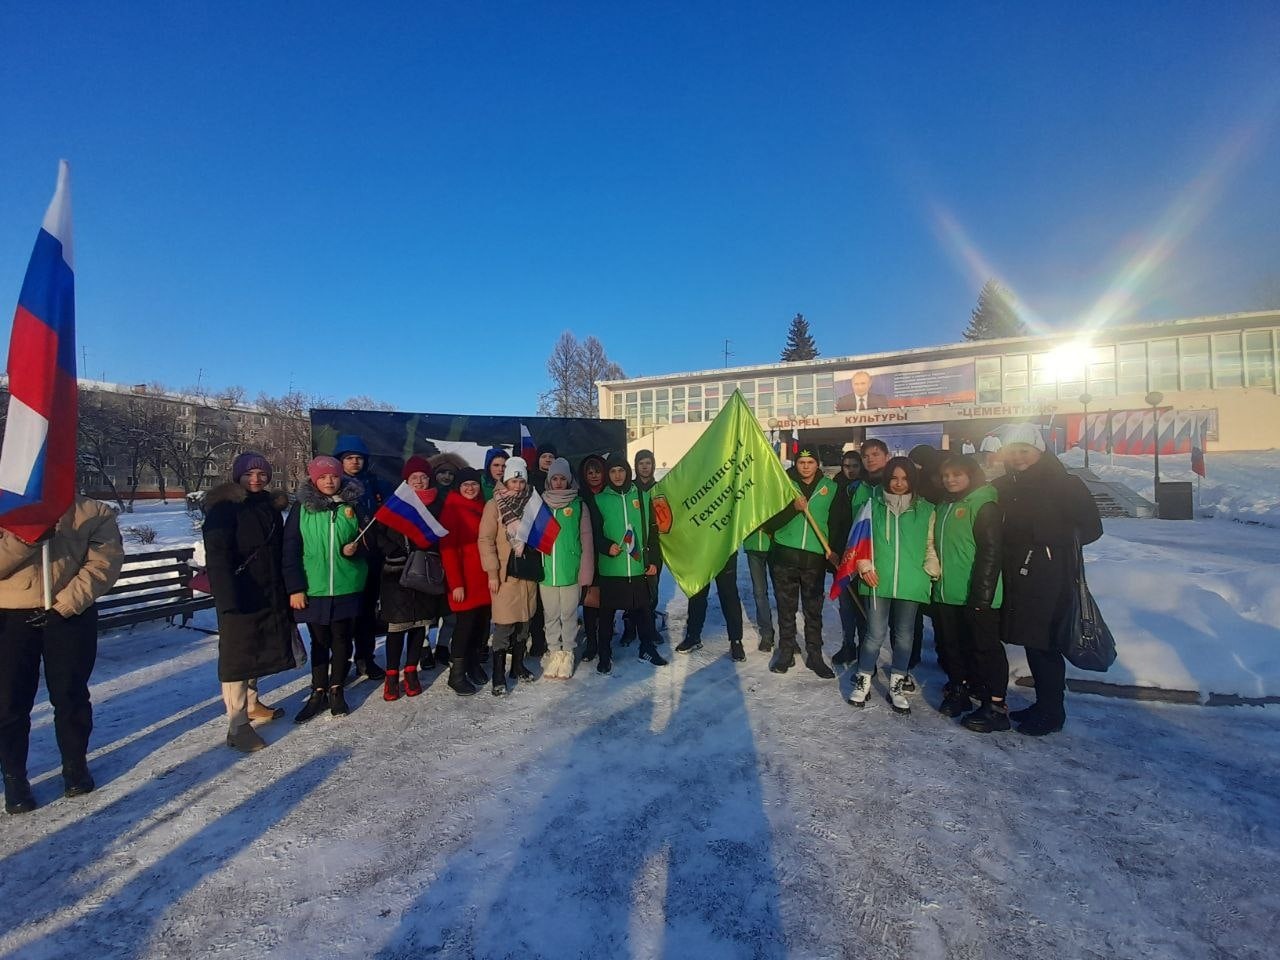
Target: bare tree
574, 369
362, 401
288, 436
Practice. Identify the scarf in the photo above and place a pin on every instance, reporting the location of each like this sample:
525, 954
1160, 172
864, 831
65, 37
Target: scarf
555, 499
510, 510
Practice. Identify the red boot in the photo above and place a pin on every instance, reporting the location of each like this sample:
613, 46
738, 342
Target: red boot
391, 686
412, 686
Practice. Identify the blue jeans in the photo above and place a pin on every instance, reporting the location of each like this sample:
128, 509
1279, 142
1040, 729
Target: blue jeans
758, 565
880, 611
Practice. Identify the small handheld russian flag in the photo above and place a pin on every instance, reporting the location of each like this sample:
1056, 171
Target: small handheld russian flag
858, 547
528, 449
404, 512
538, 525
630, 545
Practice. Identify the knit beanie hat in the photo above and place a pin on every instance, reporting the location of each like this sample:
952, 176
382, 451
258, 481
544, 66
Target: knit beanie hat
548, 448
559, 468
466, 475
1024, 433
322, 466
415, 464
516, 467
249, 460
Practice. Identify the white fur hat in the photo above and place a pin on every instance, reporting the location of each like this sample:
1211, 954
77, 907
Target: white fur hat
1024, 433
516, 467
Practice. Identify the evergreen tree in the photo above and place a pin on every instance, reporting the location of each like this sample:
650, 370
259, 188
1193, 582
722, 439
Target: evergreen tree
800, 345
995, 315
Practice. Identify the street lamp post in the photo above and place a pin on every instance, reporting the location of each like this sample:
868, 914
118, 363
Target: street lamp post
1154, 399
1085, 400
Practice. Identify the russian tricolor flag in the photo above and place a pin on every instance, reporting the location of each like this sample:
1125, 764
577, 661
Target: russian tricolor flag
38, 459
404, 512
538, 525
528, 449
858, 547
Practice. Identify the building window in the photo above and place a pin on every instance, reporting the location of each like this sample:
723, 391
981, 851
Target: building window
1228, 365
1259, 359
1102, 371
1195, 363
1131, 369
1069, 370
1044, 378
1015, 379
988, 375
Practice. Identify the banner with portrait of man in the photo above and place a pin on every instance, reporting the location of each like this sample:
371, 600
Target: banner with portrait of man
906, 385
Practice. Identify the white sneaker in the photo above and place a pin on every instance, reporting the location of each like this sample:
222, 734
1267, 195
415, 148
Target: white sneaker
861, 690
897, 693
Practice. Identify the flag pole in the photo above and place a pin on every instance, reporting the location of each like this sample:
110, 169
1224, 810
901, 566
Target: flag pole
47, 574
813, 523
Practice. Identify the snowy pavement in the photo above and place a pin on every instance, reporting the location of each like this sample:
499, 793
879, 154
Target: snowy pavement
702, 810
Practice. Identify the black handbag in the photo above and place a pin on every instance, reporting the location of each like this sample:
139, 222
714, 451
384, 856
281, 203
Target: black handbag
526, 566
423, 572
1085, 639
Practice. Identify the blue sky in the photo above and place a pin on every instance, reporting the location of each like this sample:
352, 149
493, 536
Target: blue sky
414, 202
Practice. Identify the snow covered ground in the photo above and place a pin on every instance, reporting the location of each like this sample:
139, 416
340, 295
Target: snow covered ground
706, 809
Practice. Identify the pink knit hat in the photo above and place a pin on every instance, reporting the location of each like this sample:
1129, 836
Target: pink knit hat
321, 466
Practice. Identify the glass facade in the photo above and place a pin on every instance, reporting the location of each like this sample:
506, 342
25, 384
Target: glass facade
1128, 369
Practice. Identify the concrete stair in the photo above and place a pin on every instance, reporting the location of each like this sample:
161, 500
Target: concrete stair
1114, 499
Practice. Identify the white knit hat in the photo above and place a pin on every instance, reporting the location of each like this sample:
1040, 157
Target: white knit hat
1023, 433
516, 467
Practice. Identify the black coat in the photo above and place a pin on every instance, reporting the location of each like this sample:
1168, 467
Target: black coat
399, 604
1045, 510
243, 539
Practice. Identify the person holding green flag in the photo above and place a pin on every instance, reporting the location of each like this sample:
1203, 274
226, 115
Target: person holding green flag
798, 562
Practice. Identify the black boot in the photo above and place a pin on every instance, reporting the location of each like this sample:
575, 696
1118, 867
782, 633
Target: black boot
813, 660
650, 653
442, 655
369, 668
338, 702
628, 631
785, 659
606, 653
590, 633
848, 653
499, 667
518, 670
76, 781
988, 718
427, 661
458, 680
956, 700
18, 797
736, 651
318, 700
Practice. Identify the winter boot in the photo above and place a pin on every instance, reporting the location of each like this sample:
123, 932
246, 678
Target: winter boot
475, 672
785, 660
861, 690
956, 700
245, 739
499, 667
412, 684
518, 670
848, 653
318, 700
606, 653
18, 797
765, 644
369, 668
338, 702
427, 660
628, 631
458, 681
650, 653
1025, 714
735, 651
76, 781
260, 711
819, 666
688, 645
897, 695
391, 686
992, 716
442, 655
1041, 725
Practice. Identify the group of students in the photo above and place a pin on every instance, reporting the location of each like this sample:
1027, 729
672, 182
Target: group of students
988, 562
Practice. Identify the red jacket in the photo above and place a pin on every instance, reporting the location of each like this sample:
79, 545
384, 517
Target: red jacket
460, 554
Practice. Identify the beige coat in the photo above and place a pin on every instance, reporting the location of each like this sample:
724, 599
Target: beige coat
86, 554
515, 601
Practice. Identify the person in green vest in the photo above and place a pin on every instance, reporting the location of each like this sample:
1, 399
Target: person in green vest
967, 596
325, 574
896, 579
625, 537
799, 561
757, 547
566, 571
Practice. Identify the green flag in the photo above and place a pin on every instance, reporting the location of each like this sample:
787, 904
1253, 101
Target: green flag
728, 484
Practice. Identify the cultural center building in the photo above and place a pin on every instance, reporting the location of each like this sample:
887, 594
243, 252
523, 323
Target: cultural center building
1206, 380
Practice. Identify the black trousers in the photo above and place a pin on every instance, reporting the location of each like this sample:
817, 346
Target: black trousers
969, 648
396, 644
330, 651
726, 582
470, 633
69, 647
642, 618
365, 632
1049, 670
797, 587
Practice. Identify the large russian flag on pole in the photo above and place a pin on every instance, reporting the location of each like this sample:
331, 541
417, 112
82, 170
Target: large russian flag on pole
404, 512
538, 525
528, 449
38, 459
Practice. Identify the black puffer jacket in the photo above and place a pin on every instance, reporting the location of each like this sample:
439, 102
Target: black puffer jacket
243, 538
1045, 510
397, 604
